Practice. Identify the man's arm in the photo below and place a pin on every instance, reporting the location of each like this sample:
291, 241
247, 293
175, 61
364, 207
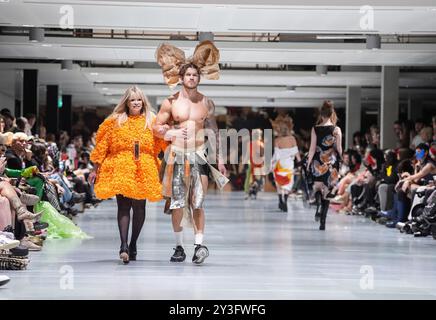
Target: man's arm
210, 123
161, 128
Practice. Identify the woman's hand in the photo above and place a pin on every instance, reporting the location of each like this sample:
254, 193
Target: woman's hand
308, 165
405, 185
92, 177
405, 175
60, 189
28, 154
162, 130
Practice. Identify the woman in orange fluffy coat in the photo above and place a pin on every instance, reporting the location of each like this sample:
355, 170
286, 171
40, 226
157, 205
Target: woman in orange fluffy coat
126, 164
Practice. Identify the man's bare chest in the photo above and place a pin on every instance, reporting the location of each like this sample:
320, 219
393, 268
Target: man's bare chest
183, 111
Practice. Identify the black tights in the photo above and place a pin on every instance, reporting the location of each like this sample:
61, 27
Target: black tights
124, 206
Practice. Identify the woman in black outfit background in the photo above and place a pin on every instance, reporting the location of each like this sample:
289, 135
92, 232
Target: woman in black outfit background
324, 155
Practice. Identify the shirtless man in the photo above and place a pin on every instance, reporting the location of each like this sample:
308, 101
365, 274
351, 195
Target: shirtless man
180, 121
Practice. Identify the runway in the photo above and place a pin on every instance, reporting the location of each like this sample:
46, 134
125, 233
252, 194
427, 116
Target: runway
256, 252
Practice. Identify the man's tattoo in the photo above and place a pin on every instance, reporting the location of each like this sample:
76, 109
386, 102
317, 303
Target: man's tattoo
210, 124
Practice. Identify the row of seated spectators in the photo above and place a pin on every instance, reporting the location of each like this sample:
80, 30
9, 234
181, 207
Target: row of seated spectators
34, 171
392, 187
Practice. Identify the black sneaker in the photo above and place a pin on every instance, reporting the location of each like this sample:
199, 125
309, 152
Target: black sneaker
19, 252
179, 255
40, 225
200, 254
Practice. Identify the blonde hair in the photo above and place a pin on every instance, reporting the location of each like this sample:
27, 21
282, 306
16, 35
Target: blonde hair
283, 125
121, 111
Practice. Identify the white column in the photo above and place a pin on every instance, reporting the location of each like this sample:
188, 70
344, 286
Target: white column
353, 114
389, 106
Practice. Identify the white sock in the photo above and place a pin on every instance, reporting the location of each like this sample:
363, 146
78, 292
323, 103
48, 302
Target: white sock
179, 238
198, 238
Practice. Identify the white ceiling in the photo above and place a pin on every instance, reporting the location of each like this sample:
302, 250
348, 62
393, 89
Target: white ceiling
339, 16
103, 86
56, 48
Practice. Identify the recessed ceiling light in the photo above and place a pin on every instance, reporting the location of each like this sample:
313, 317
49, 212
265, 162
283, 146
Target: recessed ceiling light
104, 89
94, 73
46, 45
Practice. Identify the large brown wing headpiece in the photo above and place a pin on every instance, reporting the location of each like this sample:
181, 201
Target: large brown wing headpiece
170, 58
206, 57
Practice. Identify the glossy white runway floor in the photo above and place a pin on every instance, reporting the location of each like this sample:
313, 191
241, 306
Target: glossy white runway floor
256, 252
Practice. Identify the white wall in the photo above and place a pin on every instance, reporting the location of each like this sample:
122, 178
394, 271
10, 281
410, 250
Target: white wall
7, 90
7, 101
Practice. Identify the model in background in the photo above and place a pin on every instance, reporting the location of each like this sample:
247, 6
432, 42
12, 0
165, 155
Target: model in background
282, 163
324, 155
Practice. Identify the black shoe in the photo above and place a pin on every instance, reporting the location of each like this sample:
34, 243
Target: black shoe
179, 255
280, 202
132, 252
324, 210
8, 229
40, 225
391, 224
200, 254
285, 203
332, 194
124, 253
20, 251
78, 197
95, 201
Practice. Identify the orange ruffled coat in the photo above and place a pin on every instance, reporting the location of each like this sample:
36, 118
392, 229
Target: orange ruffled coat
119, 172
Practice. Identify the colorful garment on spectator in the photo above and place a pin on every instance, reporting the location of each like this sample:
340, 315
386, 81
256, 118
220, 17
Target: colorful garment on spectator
119, 171
59, 226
